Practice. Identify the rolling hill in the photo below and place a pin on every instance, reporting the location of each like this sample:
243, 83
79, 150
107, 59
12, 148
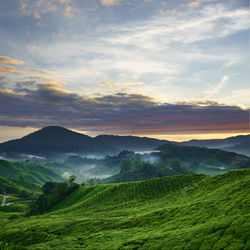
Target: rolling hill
14, 186
177, 212
173, 160
33, 172
214, 157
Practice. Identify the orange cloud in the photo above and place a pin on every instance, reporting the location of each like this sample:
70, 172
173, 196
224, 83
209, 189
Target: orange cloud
109, 85
116, 84
194, 4
108, 2
33, 47
36, 15
58, 34
69, 12
7, 70
22, 5
9, 60
64, 1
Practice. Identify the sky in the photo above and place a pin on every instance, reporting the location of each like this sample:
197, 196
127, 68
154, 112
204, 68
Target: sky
173, 70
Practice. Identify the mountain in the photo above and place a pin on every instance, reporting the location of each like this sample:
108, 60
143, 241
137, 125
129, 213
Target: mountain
132, 143
56, 139
176, 212
239, 144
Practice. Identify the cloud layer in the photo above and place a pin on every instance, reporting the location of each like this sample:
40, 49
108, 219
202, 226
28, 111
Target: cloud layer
38, 105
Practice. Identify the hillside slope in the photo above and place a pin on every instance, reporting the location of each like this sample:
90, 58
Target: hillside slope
190, 212
14, 186
33, 172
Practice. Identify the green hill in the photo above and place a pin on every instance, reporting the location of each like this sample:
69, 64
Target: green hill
13, 186
201, 154
34, 172
177, 212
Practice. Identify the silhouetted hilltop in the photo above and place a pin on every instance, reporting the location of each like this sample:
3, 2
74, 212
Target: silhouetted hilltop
54, 139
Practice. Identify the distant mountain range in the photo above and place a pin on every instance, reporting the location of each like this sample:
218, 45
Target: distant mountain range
239, 144
59, 140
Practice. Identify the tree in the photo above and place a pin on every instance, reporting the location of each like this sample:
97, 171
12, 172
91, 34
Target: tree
194, 165
23, 194
48, 187
21, 178
91, 181
72, 179
175, 164
125, 166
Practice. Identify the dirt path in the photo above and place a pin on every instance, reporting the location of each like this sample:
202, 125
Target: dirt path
4, 200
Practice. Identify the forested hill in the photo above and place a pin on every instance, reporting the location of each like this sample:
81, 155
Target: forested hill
56, 139
201, 154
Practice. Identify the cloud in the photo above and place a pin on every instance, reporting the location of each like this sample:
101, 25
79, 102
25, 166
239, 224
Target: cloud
194, 4
58, 34
109, 85
9, 60
8, 70
218, 88
120, 113
22, 5
108, 2
164, 56
132, 83
37, 8
37, 15
69, 11
64, 1
116, 84
52, 7
33, 47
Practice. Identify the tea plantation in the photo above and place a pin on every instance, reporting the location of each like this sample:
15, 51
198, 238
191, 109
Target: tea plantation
176, 212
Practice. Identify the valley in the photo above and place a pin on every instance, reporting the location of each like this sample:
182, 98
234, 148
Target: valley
167, 197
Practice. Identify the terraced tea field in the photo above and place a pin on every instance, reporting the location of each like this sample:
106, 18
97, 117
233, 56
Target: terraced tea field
177, 212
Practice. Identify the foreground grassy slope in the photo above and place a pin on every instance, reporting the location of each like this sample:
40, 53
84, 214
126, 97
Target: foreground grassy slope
190, 212
34, 172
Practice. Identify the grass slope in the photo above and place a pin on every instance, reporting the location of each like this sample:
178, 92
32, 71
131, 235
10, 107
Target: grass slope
13, 186
176, 212
33, 172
